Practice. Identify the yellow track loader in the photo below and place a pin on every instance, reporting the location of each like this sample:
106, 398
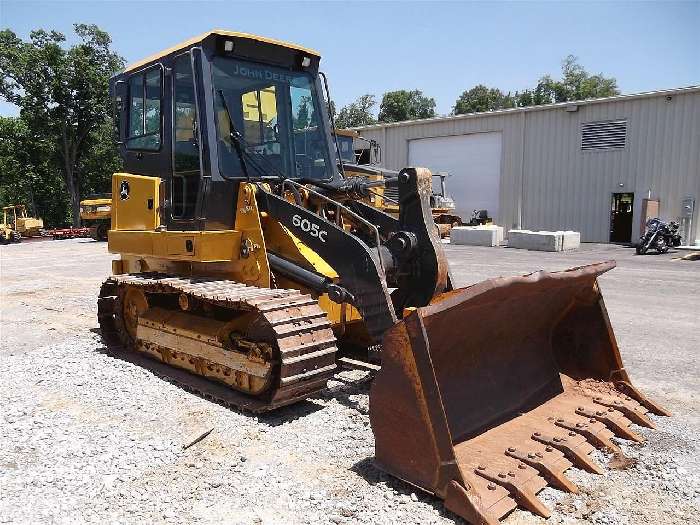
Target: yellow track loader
249, 269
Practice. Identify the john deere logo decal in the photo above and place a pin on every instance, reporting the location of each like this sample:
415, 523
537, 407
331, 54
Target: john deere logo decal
124, 190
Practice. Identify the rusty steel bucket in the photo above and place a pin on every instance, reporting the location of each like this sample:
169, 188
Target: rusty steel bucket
493, 391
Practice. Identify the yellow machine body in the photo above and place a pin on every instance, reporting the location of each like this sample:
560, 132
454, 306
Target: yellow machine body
7, 234
96, 209
96, 213
16, 218
239, 255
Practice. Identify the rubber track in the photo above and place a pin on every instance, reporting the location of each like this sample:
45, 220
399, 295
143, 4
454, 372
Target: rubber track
305, 340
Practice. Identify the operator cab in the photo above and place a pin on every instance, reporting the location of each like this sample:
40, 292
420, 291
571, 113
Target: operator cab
217, 109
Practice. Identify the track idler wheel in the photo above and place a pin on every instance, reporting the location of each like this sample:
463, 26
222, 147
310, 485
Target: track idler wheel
132, 304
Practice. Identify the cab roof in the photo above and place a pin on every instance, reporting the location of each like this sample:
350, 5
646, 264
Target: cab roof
218, 32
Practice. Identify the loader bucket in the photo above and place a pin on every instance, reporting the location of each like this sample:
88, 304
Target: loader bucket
493, 391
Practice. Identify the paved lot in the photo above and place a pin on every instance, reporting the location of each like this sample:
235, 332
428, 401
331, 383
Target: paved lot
86, 437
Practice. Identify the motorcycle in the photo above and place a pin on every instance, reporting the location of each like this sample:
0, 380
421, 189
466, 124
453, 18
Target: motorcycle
659, 236
479, 217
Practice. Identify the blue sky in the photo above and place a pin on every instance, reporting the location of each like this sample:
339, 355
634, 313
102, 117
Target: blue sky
441, 48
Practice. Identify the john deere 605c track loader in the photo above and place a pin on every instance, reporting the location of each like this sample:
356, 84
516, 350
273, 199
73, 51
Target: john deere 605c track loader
248, 266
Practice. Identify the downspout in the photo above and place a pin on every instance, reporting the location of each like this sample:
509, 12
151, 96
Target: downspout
382, 162
522, 171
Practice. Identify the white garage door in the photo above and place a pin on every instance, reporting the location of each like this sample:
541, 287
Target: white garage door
473, 162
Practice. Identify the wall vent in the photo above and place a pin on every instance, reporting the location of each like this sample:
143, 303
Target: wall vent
606, 135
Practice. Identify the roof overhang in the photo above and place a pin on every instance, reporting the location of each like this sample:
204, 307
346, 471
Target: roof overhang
565, 106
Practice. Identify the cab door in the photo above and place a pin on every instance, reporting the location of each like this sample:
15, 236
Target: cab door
186, 180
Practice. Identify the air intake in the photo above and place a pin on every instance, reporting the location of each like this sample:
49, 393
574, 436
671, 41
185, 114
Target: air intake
607, 135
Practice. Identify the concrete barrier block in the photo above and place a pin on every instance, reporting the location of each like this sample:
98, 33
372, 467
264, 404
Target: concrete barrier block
489, 235
529, 240
518, 238
570, 240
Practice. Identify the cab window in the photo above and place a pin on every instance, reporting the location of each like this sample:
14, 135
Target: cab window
276, 120
145, 110
260, 116
186, 176
260, 124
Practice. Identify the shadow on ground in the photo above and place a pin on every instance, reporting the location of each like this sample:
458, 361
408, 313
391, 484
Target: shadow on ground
374, 476
159, 369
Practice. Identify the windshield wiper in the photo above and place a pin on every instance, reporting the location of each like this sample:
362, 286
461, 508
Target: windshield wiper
234, 135
244, 148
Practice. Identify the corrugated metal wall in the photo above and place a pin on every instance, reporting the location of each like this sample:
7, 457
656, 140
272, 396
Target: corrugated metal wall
566, 188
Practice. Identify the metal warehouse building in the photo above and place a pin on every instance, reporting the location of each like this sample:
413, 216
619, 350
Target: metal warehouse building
596, 166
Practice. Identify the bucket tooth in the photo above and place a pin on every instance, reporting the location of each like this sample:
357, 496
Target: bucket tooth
553, 475
596, 433
518, 488
631, 391
570, 446
628, 409
613, 419
468, 505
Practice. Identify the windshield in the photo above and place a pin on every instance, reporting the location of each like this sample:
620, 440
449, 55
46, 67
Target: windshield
345, 146
276, 114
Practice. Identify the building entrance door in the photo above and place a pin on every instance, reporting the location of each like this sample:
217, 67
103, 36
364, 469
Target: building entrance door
621, 217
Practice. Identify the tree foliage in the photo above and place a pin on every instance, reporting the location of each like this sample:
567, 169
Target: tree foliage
481, 98
26, 174
64, 104
575, 84
357, 113
401, 105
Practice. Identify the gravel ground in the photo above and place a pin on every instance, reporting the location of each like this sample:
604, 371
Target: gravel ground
88, 437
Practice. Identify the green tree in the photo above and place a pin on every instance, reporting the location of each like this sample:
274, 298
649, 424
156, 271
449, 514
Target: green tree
575, 84
541, 94
357, 113
401, 105
481, 98
27, 175
101, 161
63, 96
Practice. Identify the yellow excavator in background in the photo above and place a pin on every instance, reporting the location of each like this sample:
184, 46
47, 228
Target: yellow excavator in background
383, 193
96, 214
249, 270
